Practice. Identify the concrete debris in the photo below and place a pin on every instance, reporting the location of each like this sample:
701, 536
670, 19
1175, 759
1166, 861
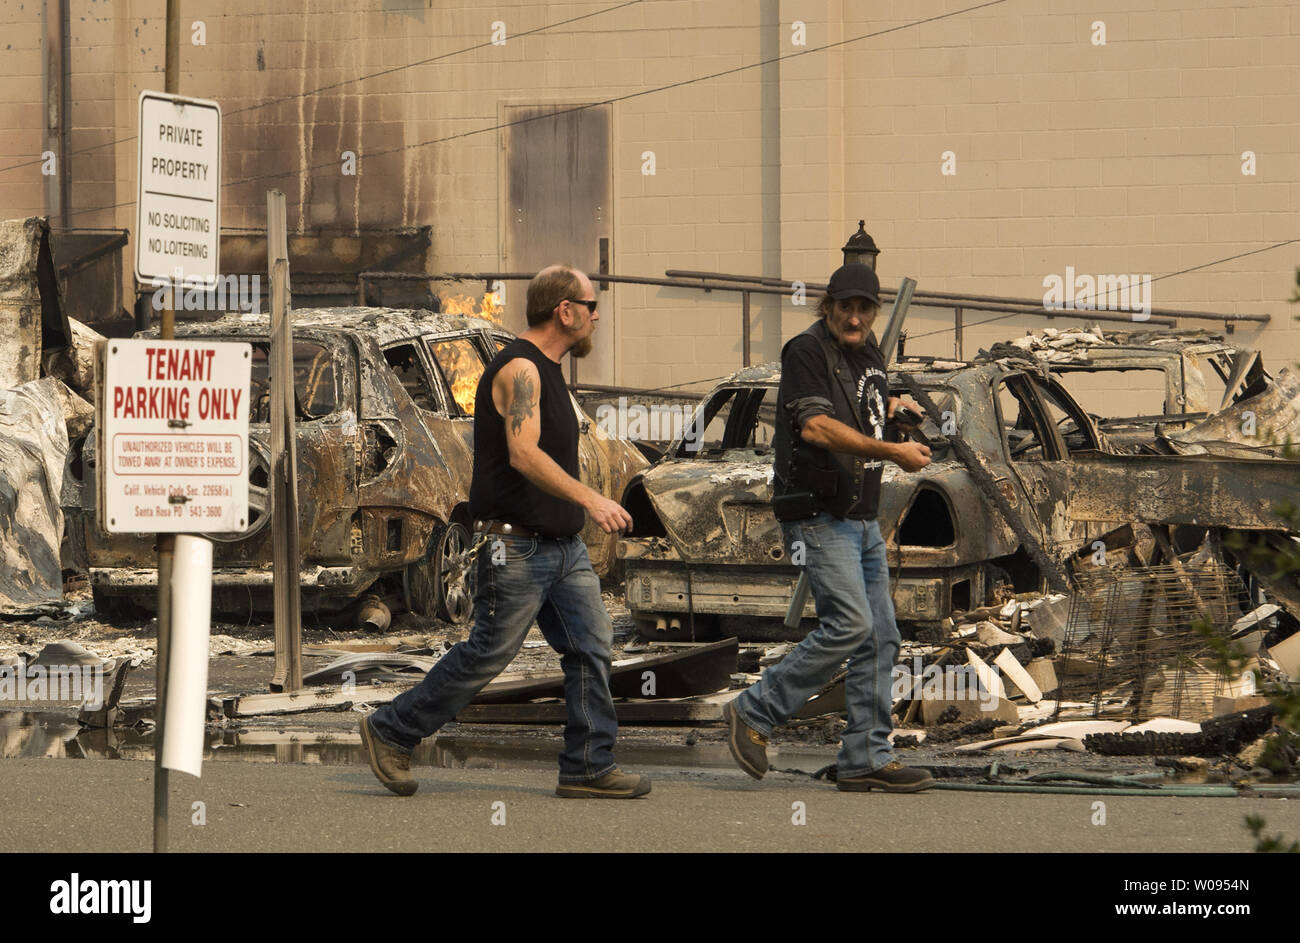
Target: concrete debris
1017, 675
1251, 754
966, 709
1043, 674
989, 634
772, 655
1187, 764
1223, 706
990, 681
66, 653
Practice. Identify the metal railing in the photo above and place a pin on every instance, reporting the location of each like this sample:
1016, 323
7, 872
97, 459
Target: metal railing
971, 302
748, 285
602, 279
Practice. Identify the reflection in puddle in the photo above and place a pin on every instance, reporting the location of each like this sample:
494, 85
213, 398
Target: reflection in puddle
59, 736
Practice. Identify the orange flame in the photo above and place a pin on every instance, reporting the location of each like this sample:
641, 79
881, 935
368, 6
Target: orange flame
487, 307
461, 365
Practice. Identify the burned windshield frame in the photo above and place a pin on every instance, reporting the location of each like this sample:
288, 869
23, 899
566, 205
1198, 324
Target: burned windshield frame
315, 381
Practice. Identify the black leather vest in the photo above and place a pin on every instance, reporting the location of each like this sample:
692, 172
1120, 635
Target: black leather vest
833, 478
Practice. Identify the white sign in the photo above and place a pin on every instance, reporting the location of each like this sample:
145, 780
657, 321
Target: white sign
177, 222
173, 443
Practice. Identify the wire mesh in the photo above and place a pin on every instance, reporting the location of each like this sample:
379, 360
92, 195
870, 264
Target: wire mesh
1135, 638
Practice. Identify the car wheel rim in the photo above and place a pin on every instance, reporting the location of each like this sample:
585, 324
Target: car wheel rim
453, 575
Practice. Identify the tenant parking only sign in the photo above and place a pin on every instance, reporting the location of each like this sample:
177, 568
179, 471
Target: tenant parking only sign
173, 443
177, 204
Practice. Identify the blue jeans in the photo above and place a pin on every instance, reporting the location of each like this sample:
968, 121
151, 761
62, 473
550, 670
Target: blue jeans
549, 581
850, 585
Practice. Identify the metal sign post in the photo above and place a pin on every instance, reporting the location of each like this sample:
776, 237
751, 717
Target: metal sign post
284, 458
172, 421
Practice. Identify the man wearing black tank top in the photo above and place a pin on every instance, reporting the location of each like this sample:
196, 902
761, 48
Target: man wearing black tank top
536, 566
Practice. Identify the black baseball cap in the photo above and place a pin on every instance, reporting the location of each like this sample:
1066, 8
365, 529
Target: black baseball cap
854, 280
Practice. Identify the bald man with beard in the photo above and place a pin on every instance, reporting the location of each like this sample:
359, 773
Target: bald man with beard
526, 482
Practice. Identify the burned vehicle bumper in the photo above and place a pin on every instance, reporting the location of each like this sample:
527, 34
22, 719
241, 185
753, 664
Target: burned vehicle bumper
664, 592
233, 586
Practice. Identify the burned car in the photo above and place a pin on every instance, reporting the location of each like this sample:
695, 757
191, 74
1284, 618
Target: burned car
1145, 389
706, 554
384, 402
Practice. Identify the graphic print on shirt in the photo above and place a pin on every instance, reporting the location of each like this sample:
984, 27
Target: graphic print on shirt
875, 408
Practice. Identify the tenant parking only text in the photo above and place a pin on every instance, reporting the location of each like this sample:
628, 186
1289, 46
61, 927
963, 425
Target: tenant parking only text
174, 442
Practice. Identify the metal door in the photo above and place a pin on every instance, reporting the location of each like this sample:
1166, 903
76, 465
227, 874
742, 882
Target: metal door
556, 201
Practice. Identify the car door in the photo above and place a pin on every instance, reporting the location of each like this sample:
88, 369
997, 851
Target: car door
1034, 452
457, 365
1061, 427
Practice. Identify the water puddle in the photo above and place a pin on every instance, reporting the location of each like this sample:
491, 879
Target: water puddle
54, 735
59, 736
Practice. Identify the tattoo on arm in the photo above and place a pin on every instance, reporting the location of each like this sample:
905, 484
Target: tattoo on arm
521, 405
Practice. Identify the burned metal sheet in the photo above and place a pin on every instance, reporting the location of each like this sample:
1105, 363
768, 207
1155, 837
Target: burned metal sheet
697, 670
1201, 490
31, 314
1263, 423
33, 449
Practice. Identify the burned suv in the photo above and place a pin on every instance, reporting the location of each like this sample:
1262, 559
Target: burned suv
384, 402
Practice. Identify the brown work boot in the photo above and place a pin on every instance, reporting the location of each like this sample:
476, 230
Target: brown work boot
615, 784
748, 746
390, 765
892, 777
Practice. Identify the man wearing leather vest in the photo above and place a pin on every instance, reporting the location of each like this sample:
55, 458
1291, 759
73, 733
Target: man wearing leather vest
829, 452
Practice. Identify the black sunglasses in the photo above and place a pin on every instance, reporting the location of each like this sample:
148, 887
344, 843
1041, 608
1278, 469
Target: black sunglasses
591, 305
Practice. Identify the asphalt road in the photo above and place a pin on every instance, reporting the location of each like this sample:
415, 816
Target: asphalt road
106, 806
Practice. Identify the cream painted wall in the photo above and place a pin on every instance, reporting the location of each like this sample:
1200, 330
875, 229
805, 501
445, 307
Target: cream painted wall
1115, 158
